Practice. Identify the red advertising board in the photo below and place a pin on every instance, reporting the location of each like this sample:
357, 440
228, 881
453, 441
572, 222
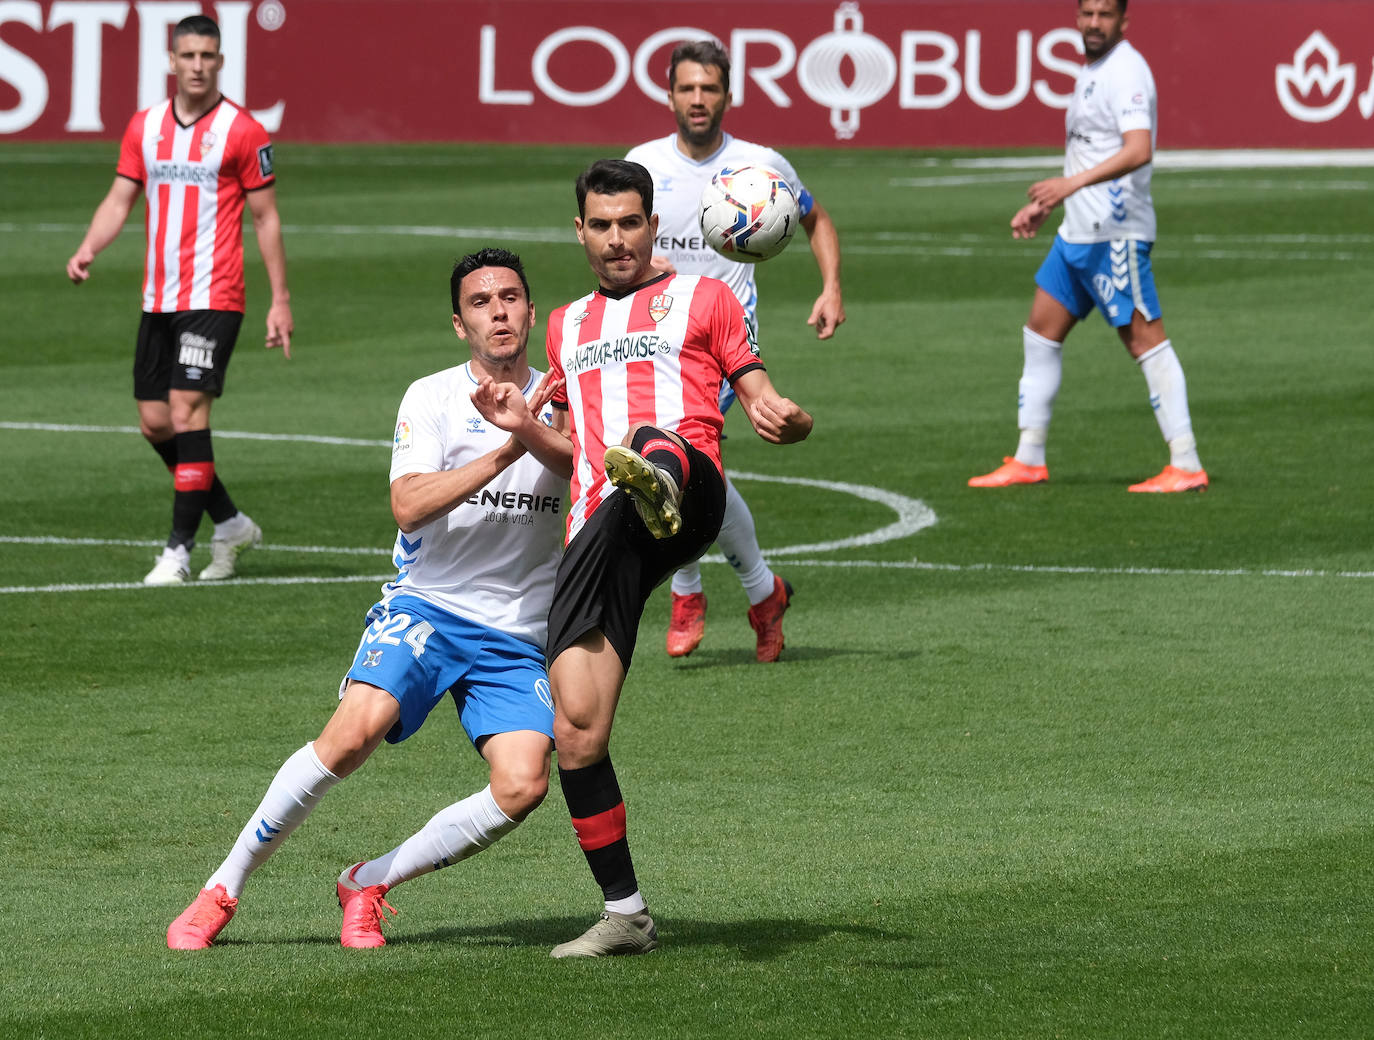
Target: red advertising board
871, 73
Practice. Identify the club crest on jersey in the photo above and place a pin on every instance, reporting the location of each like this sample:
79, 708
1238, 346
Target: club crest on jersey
374, 658
207, 143
659, 306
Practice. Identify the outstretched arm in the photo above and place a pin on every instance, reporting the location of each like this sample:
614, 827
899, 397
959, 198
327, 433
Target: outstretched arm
775, 418
827, 313
109, 218
267, 227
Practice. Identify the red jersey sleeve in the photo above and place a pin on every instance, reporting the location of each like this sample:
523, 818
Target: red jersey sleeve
731, 339
131, 150
251, 152
553, 345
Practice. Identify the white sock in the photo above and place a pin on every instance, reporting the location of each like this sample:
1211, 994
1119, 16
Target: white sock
294, 792
453, 834
687, 579
740, 545
629, 906
233, 525
1169, 399
1030, 449
1040, 378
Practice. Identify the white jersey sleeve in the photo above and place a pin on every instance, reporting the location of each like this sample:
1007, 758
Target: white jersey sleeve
491, 559
1112, 96
678, 183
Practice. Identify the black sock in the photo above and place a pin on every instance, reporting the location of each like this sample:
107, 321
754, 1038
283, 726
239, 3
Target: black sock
664, 452
220, 506
598, 817
193, 476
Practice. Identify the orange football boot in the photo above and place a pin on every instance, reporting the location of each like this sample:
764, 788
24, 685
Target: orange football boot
1170, 479
765, 618
364, 910
1012, 472
688, 623
200, 922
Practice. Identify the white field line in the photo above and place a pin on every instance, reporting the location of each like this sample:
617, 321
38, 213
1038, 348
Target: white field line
232, 435
914, 565
880, 243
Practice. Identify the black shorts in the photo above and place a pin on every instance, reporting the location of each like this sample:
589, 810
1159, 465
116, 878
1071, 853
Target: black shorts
184, 350
614, 563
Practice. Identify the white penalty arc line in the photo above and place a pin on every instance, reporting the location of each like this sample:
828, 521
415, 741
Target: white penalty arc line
912, 514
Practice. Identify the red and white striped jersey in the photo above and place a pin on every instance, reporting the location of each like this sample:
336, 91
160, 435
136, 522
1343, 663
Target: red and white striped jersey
654, 355
195, 179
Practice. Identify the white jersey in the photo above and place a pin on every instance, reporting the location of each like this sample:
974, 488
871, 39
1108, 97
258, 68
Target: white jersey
491, 559
1114, 94
678, 183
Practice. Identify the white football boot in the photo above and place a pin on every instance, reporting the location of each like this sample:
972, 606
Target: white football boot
173, 567
240, 533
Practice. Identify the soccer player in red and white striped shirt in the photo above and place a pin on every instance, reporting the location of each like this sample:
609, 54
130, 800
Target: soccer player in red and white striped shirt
197, 157
642, 359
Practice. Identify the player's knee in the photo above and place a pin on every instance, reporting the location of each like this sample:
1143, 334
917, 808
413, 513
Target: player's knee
519, 794
342, 753
579, 745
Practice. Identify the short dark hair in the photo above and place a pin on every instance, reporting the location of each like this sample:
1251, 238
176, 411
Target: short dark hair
703, 52
489, 257
611, 177
1120, 5
196, 25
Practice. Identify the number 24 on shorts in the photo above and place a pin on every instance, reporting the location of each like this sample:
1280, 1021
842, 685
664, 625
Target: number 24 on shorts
387, 629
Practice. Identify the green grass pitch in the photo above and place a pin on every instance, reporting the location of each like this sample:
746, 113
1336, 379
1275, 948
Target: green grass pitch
1068, 762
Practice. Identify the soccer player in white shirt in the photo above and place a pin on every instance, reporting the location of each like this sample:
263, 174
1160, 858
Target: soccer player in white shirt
682, 164
477, 487
641, 361
1101, 256
197, 158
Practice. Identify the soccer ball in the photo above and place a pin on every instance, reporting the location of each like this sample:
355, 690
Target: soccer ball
749, 213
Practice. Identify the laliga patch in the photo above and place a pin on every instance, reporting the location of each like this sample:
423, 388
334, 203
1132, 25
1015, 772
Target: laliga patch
659, 306
265, 160
401, 441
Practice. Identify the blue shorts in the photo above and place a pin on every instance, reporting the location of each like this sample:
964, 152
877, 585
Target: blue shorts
1113, 276
417, 652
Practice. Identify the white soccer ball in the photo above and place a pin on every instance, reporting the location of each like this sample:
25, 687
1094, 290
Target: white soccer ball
749, 213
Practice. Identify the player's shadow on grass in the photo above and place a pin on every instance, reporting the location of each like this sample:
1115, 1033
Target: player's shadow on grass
756, 939
700, 659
